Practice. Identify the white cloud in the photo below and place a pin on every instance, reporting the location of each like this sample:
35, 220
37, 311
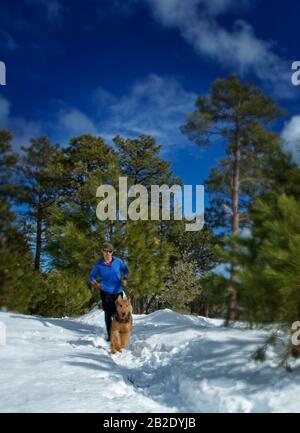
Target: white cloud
154, 106
239, 50
74, 122
67, 123
22, 129
291, 137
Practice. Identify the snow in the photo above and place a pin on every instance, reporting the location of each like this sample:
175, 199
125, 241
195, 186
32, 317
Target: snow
174, 363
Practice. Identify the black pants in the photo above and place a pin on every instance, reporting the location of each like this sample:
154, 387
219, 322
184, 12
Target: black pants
109, 307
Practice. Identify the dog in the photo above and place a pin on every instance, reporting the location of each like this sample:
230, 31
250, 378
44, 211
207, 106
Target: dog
121, 326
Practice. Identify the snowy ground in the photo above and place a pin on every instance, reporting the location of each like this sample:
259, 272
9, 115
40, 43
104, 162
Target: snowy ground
174, 363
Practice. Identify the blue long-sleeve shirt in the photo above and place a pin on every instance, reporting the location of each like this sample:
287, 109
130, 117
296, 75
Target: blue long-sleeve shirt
110, 275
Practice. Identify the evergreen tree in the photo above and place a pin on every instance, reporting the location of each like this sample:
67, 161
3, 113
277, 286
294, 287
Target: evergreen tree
8, 162
235, 114
140, 161
19, 288
40, 188
198, 247
76, 233
270, 264
144, 243
65, 294
147, 257
182, 286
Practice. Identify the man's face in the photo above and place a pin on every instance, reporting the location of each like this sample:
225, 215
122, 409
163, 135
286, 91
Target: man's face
107, 254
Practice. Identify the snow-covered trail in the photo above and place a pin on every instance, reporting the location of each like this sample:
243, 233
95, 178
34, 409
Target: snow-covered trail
174, 363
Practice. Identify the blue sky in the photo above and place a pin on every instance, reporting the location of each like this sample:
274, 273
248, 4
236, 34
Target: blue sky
127, 67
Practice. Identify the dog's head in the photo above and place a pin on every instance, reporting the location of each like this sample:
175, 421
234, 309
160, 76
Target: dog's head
123, 307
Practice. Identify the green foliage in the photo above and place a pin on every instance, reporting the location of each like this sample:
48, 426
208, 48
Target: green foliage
144, 244
140, 161
40, 189
76, 233
147, 258
20, 286
7, 167
213, 299
198, 247
58, 188
74, 245
270, 259
182, 286
261, 353
66, 294
236, 115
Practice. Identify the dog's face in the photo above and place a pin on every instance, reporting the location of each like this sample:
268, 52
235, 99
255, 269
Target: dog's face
123, 307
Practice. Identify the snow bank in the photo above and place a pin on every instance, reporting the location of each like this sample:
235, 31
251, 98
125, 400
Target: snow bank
174, 363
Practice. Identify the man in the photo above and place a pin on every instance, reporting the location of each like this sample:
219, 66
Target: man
113, 274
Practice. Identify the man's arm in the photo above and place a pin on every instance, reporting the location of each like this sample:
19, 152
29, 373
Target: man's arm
93, 275
95, 284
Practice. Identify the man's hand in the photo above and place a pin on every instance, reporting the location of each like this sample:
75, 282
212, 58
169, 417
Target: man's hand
95, 284
124, 281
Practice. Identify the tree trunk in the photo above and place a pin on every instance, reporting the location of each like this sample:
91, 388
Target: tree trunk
134, 303
232, 293
38, 244
141, 305
206, 312
149, 303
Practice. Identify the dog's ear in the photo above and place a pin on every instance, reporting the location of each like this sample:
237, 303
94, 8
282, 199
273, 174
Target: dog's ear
130, 305
119, 298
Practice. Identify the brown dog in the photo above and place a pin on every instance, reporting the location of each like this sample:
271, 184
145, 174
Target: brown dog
121, 326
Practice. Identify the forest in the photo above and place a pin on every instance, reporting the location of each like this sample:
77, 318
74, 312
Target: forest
50, 236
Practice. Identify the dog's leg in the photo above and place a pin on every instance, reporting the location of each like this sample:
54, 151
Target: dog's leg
115, 342
124, 339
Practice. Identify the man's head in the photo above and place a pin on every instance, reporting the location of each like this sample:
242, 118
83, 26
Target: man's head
107, 250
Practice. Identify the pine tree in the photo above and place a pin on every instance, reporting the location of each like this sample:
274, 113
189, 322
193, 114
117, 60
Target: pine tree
147, 260
269, 260
270, 264
144, 243
8, 162
141, 162
182, 287
198, 247
235, 114
76, 233
19, 288
65, 294
40, 188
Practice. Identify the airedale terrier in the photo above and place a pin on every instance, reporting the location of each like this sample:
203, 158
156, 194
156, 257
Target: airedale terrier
121, 327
